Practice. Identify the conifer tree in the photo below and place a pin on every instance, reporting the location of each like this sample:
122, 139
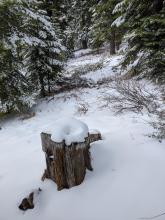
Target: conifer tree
63, 15
82, 21
146, 38
75, 19
13, 84
44, 54
31, 53
103, 30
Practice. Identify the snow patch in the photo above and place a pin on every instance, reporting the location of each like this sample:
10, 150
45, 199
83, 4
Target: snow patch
82, 52
94, 131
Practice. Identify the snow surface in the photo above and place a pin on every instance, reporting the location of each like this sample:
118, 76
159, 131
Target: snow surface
83, 61
80, 53
128, 178
70, 130
107, 70
108, 62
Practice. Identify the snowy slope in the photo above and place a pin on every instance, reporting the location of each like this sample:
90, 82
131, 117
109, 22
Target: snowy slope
106, 62
128, 178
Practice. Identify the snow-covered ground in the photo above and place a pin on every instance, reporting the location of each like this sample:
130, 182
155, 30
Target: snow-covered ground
128, 178
84, 62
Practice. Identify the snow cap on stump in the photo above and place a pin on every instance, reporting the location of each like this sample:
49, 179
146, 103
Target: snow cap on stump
69, 130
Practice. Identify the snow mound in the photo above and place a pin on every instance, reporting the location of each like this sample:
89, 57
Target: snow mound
94, 131
69, 129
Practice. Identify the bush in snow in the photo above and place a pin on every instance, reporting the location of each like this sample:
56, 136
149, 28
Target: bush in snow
131, 95
136, 96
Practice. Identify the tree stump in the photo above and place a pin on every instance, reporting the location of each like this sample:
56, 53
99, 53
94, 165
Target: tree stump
27, 203
66, 165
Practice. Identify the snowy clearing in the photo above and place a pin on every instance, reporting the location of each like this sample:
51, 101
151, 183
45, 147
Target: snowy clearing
128, 178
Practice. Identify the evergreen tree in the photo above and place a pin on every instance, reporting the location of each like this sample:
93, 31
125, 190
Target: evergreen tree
13, 84
82, 21
146, 38
63, 15
44, 54
103, 29
31, 53
75, 20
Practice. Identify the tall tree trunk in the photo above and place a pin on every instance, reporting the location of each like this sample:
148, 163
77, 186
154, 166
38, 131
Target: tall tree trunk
48, 77
84, 44
158, 5
112, 43
118, 42
41, 80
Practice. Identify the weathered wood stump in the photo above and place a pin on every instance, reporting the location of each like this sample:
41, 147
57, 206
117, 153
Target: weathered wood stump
27, 203
66, 165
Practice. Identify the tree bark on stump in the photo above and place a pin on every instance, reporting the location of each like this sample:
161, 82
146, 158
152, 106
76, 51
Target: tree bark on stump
66, 165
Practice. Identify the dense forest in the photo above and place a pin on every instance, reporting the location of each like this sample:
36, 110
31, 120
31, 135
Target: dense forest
37, 38
82, 109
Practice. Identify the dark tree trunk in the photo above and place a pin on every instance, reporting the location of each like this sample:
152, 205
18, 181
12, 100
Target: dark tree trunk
49, 90
158, 5
41, 80
112, 43
84, 44
66, 165
118, 45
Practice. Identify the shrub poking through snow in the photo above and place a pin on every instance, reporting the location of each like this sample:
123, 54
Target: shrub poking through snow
137, 97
